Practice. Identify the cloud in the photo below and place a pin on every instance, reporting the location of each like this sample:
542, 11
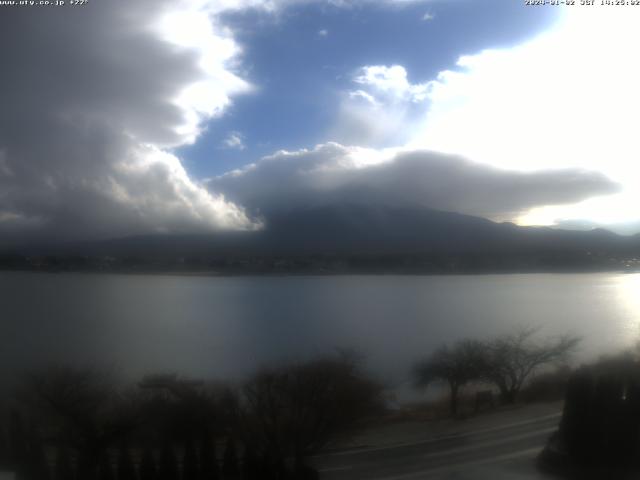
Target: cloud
566, 98
334, 174
428, 16
93, 100
235, 141
323, 33
381, 107
278, 5
390, 82
89, 123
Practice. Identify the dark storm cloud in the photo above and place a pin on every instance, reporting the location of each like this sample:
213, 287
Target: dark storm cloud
89, 102
334, 174
91, 108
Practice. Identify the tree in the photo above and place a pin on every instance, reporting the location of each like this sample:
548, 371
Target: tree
126, 467
456, 366
294, 411
168, 464
36, 468
84, 410
182, 410
105, 468
18, 453
63, 468
208, 458
190, 462
230, 466
511, 359
148, 469
251, 465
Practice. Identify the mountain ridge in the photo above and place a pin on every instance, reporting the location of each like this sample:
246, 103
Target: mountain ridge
357, 231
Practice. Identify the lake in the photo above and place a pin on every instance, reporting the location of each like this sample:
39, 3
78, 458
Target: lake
226, 327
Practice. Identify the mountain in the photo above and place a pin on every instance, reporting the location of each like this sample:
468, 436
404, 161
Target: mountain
365, 236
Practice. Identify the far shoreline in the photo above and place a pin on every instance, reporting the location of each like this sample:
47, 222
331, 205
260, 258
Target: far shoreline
222, 274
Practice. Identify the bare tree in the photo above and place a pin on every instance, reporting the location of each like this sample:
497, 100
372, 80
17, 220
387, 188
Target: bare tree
456, 366
512, 359
294, 411
180, 408
84, 409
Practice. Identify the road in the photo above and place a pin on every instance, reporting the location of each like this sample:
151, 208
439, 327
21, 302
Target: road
486, 453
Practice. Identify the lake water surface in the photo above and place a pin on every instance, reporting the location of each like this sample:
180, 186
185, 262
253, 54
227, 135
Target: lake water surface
226, 327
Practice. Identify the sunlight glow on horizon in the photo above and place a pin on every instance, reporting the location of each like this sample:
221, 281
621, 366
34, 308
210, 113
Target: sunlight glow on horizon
567, 98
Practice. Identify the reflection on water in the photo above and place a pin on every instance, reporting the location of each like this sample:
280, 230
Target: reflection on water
627, 288
226, 327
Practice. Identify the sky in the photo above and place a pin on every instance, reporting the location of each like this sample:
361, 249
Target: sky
189, 116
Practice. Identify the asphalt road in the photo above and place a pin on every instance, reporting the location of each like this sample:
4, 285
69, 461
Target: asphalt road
479, 454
